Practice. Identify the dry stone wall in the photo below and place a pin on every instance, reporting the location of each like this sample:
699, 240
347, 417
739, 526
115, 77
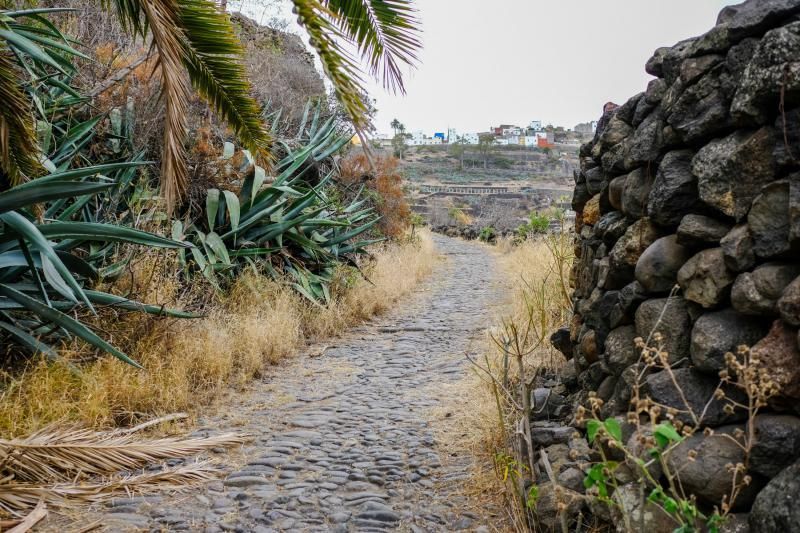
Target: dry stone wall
688, 224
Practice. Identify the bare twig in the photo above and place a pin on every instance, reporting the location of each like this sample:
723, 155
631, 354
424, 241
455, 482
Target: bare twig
154, 422
117, 77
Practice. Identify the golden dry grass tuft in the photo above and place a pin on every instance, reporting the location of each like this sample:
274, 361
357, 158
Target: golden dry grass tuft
535, 274
190, 363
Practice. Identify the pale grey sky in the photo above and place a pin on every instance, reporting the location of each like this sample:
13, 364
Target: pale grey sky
488, 62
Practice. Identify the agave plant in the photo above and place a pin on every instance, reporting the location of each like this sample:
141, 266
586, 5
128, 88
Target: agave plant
46, 267
290, 225
197, 48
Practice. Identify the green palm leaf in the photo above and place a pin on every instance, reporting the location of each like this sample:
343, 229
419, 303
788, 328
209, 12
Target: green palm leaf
385, 33
213, 57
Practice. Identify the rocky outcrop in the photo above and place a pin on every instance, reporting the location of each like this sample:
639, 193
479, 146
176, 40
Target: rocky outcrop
699, 177
280, 68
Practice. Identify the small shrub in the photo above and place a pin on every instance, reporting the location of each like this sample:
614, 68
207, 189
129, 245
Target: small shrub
487, 234
416, 220
538, 223
387, 184
658, 433
459, 216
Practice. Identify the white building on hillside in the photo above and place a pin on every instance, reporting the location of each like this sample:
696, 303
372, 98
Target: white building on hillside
471, 138
466, 138
534, 140
420, 139
536, 125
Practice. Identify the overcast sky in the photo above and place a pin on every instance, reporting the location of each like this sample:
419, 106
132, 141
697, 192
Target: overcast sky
513, 61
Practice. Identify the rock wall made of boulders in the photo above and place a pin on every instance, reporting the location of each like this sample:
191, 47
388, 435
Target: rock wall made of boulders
688, 224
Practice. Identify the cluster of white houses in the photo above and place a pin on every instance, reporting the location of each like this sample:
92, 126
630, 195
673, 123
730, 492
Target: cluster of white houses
534, 135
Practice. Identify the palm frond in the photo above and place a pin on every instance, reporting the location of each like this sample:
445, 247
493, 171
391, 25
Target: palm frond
386, 33
163, 21
53, 455
16, 498
194, 36
18, 147
213, 55
340, 67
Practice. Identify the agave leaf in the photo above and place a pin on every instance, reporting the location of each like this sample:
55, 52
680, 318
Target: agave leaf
218, 247
199, 259
28, 341
95, 231
253, 218
44, 133
212, 206
114, 270
48, 43
16, 258
29, 48
358, 246
335, 146
252, 185
104, 298
64, 321
227, 150
232, 204
17, 13
304, 120
25, 228
22, 196
79, 203
253, 252
55, 280
64, 175
275, 230
352, 233
212, 258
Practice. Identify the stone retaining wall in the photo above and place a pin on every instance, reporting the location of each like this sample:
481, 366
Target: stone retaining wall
688, 225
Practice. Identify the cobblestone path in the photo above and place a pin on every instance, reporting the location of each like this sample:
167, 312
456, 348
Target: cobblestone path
345, 441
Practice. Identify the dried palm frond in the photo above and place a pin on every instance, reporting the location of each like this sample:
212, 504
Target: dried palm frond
193, 37
33, 518
162, 18
52, 455
15, 498
18, 147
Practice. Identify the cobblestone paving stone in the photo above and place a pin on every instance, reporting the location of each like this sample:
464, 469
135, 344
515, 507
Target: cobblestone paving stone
344, 442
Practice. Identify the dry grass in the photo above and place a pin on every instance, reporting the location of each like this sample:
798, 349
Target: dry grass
535, 273
189, 363
467, 427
